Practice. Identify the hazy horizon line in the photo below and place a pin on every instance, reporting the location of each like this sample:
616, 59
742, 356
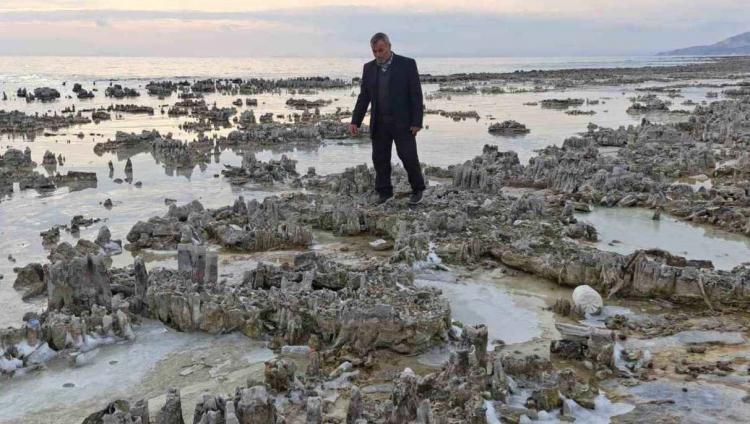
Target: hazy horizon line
447, 56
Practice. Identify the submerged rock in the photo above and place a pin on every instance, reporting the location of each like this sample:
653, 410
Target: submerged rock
30, 278
46, 94
118, 91
508, 128
104, 240
561, 103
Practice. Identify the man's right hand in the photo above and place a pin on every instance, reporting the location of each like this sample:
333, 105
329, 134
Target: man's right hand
353, 130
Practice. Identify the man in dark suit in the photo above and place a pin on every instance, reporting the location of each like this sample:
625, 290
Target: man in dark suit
391, 84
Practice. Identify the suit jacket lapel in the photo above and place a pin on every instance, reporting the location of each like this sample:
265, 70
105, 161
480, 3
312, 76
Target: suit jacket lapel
392, 69
374, 80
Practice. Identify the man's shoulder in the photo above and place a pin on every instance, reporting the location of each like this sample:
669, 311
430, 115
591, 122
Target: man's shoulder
403, 58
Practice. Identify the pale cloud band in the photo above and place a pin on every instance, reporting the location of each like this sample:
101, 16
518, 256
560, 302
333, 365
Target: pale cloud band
614, 10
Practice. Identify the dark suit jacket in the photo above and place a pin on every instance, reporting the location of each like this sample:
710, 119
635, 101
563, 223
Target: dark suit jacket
405, 94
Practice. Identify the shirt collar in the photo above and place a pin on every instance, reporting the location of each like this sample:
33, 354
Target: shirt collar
384, 66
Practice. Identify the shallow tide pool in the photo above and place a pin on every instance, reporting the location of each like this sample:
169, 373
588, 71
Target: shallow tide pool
624, 230
122, 370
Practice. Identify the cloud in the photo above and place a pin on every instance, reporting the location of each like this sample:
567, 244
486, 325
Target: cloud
573, 27
601, 10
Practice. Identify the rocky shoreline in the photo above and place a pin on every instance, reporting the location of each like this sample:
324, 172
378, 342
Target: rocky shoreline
345, 325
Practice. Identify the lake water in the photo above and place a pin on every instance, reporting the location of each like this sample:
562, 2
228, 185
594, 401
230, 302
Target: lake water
39, 70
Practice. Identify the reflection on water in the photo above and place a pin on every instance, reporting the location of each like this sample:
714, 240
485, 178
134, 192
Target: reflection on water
633, 228
27, 214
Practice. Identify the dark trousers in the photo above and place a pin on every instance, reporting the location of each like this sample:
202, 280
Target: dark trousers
385, 135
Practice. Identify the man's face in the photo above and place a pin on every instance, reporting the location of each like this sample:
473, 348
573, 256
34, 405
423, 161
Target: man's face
381, 50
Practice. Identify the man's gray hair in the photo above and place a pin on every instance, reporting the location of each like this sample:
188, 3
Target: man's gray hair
380, 36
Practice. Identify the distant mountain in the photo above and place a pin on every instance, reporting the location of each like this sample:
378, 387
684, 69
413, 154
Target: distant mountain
737, 45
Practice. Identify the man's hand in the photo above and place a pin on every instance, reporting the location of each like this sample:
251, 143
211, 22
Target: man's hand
353, 130
415, 130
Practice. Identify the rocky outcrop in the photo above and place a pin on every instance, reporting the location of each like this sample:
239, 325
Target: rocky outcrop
173, 154
30, 279
253, 170
78, 284
405, 399
56, 334
487, 173
45, 94
118, 411
648, 103
171, 412
562, 103
104, 240
130, 141
49, 159
14, 159
161, 88
251, 226
20, 122
306, 104
510, 128
361, 310
17, 166
119, 92
724, 122
212, 409
198, 262
255, 406
274, 133
100, 115
267, 132
334, 129
131, 108
455, 115
650, 273
279, 374
247, 118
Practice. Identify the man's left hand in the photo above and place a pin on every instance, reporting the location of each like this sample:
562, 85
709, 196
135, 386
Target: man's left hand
415, 130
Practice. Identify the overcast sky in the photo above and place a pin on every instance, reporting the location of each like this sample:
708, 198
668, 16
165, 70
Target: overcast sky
343, 27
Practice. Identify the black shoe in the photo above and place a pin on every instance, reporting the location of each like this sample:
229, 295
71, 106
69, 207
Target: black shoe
416, 197
383, 198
